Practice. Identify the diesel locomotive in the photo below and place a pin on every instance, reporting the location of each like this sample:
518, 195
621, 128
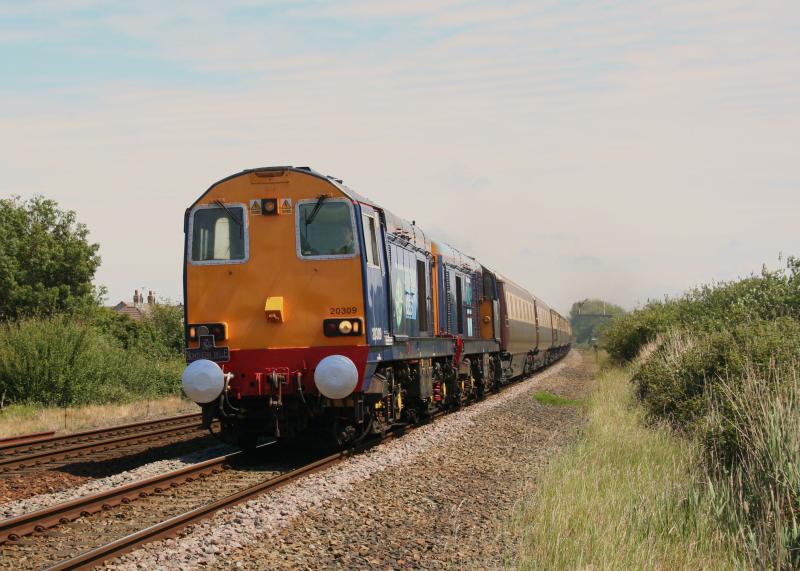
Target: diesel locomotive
310, 309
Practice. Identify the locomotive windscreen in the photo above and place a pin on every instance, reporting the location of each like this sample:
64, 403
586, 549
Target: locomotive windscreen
217, 234
326, 229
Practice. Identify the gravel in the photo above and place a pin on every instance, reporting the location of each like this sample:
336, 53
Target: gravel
437, 497
41, 501
63, 474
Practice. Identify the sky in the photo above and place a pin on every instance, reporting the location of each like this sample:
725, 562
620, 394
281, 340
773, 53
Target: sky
615, 149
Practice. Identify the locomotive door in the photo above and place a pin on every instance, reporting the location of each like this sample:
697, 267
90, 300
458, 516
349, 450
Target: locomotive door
376, 294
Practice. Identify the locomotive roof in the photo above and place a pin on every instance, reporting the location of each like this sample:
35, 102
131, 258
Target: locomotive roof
349, 192
397, 221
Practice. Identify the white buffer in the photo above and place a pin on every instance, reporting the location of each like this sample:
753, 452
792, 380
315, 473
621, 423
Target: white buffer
336, 376
203, 381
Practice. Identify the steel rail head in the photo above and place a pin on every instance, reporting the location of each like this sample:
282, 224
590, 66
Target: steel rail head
79, 449
16, 527
25, 438
167, 528
6, 447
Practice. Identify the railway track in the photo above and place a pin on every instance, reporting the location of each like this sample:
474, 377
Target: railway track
32, 451
39, 522
168, 528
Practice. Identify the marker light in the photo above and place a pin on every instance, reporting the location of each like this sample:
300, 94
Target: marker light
269, 206
345, 327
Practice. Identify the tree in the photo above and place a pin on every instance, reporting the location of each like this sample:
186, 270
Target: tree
46, 260
589, 316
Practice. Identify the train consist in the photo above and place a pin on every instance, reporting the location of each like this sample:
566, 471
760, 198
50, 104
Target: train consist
309, 308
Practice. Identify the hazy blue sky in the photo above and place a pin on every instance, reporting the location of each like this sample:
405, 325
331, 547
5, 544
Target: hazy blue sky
607, 148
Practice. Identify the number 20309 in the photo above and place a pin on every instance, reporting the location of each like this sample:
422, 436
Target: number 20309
345, 310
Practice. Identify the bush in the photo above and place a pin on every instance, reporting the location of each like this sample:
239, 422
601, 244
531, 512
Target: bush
46, 260
61, 361
752, 450
708, 309
672, 382
721, 364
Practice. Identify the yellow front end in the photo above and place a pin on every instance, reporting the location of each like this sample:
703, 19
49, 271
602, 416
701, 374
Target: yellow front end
265, 287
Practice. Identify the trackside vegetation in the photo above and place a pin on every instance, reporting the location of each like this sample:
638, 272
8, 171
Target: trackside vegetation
720, 366
590, 317
620, 497
58, 345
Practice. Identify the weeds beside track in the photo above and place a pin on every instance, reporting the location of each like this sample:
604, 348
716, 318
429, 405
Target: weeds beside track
621, 497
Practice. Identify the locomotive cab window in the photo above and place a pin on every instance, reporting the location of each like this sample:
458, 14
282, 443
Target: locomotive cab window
325, 229
371, 241
218, 234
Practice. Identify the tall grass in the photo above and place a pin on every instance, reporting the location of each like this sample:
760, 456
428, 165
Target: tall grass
623, 496
752, 453
63, 362
736, 394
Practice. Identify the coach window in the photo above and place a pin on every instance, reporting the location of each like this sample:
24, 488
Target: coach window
218, 234
325, 228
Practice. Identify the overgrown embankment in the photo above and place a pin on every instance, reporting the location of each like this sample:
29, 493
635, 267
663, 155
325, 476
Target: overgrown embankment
720, 366
621, 497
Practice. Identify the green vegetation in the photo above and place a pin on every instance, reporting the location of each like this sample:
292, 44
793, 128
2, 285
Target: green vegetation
58, 346
46, 261
720, 365
589, 317
621, 497
554, 400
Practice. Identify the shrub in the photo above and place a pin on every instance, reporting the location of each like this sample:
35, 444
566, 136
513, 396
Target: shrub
61, 361
672, 382
752, 450
46, 260
709, 308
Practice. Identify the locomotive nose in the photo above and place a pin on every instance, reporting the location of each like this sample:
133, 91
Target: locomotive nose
336, 376
202, 381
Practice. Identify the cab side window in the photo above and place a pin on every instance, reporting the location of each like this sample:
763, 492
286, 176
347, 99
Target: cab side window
371, 241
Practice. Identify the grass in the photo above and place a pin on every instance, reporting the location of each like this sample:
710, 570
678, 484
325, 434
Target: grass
622, 497
550, 399
26, 419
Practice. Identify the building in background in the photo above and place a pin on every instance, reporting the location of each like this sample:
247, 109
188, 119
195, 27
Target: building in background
138, 308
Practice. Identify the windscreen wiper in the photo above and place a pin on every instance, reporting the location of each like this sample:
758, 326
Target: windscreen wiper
232, 217
317, 206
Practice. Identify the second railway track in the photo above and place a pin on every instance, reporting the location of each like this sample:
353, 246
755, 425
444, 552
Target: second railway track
29, 453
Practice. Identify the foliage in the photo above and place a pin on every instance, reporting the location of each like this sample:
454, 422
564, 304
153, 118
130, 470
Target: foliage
672, 381
46, 260
543, 397
752, 449
587, 318
159, 332
58, 360
708, 308
721, 364
621, 497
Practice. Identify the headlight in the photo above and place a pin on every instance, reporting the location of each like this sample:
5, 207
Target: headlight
341, 327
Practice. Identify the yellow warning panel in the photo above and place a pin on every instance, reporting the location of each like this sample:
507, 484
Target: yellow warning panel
285, 205
255, 207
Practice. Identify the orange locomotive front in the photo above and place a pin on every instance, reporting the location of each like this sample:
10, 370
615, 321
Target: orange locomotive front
273, 286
